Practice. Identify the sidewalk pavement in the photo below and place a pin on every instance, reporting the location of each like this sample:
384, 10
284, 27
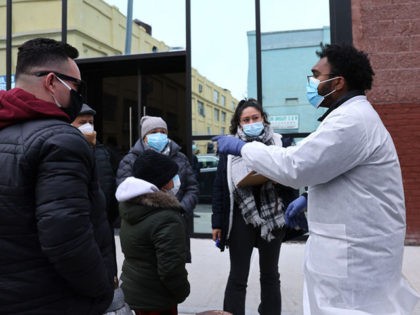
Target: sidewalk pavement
210, 268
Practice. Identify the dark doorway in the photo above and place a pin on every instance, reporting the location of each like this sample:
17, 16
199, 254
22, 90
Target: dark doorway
123, 88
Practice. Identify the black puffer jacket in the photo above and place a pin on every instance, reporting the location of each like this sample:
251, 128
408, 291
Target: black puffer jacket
106, 176
56, 244
188, 192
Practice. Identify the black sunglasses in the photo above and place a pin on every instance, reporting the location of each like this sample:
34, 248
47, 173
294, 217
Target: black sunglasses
79, 83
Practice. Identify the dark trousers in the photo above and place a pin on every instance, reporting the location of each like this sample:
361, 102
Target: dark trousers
243, 238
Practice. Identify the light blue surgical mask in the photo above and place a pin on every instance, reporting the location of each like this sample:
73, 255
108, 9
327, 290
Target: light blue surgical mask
254, 129
312, 91
157, 141
177, 184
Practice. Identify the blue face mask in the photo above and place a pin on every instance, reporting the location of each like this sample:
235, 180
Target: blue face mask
312, 92
157, 141
177, 184
254, 129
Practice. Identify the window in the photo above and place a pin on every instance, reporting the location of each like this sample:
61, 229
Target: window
223, 116
216, 96
200, 88
223, 100
216, 114
223, 130
291, 101
207, 161
109, 105
200, 109
209, 130
233, 105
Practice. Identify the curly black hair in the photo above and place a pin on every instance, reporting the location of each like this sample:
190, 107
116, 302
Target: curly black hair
246, 102
41, 52
352, 64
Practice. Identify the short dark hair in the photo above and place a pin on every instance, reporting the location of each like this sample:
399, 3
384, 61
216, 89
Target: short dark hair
352, 64
246, 102
40, 52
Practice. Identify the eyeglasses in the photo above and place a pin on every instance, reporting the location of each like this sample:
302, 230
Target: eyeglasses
308, 77
80, 84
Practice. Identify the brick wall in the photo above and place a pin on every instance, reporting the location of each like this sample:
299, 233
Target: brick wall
389, 31
403, 123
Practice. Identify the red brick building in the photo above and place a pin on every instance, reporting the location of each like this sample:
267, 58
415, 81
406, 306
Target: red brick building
389, 31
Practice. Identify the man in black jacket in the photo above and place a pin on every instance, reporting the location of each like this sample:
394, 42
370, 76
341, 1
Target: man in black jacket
55, 241
106, 175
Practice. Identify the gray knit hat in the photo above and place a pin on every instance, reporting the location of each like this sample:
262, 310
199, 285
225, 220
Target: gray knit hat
87, 110
148, 123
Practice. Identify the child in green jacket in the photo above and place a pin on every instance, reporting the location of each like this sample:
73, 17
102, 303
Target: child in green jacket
154, 278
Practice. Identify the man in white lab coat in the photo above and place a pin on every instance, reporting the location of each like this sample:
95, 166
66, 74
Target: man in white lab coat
356, 210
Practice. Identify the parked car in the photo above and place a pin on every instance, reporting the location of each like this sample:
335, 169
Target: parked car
208, 167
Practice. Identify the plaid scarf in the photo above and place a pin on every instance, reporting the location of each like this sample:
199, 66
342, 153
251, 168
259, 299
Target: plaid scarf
270, 217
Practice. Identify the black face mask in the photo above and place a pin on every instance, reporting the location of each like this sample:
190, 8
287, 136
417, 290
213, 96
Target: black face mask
76, 99
76, 102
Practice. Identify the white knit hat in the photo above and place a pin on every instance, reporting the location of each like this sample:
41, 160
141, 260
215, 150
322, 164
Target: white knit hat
148, 123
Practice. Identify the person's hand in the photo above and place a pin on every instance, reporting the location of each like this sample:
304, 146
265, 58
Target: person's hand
91, 137
301, 221
294, 216
216, 236
229, 145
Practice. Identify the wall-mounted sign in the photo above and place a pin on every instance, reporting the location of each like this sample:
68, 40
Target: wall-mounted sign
284, 121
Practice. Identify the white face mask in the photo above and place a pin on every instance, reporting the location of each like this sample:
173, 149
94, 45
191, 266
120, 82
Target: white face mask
177, 184
86, 128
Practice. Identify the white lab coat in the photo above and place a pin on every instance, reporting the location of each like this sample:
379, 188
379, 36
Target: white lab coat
356, 212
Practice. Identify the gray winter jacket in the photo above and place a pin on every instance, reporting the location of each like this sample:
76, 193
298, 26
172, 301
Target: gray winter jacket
188, 192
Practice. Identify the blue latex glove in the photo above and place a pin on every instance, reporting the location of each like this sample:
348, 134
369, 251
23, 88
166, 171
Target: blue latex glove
294, 216
229, 145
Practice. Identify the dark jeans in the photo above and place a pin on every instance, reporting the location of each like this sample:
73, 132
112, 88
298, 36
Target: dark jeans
243, 238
